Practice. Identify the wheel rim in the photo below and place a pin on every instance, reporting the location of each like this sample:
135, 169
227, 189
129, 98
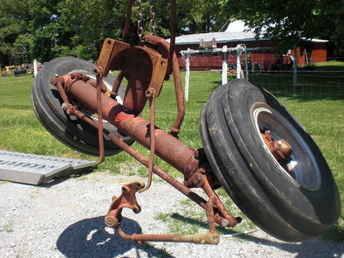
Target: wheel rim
302, 166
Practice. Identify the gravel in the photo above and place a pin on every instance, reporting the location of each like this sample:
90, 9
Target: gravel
65, 219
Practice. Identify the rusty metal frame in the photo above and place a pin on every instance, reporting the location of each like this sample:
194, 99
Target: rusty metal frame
113, 52
196, 175
145, 67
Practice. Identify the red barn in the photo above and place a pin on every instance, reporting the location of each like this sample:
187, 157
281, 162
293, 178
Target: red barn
265, 56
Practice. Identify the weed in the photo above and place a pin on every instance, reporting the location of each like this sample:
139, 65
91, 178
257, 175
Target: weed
8, 228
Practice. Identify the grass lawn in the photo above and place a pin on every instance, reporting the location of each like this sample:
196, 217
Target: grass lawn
327, 66
317, 101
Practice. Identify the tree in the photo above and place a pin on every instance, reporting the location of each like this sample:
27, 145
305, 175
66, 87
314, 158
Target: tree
86, 23
19, 23
23, 47
193, 16
44, 29
10, 28
290, 20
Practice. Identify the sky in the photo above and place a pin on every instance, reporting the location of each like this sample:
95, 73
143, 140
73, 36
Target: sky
237, 26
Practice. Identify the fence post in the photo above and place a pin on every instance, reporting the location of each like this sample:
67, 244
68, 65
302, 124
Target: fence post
239, 70
293, 59
246, 63
224, 65
187, 75
35, 68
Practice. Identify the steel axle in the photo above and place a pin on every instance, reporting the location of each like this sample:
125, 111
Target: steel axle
145, 84
187, 160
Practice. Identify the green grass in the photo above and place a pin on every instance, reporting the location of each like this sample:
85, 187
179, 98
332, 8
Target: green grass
338, 64
326, 66
20, 130
8, 227
317, 101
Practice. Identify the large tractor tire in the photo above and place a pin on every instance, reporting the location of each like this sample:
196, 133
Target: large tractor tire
48, 108
291, 205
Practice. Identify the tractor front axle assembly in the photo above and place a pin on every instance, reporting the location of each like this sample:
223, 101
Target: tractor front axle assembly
252, 147
78, 90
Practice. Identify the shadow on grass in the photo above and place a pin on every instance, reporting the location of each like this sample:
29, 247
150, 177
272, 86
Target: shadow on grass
217, 83
310, 248
88, 238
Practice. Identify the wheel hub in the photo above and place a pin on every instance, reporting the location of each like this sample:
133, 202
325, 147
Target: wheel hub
281, 149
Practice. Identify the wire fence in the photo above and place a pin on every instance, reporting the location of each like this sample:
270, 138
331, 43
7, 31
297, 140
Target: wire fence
313, 94
307, 84
316, 100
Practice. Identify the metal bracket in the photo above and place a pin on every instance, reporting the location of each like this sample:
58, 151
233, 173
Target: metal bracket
128, 200
115, 52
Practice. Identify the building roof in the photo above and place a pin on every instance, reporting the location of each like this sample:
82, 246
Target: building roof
315, 40
220, 37
236, 31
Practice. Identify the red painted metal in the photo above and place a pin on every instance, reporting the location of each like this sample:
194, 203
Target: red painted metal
217, 214
145, 67
280, 149
163, 48
168, 147
128, 200
144, 83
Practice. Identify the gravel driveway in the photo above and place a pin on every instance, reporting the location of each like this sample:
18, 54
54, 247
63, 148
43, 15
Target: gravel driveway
66, 220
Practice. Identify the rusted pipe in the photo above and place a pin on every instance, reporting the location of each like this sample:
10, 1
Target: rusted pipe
221, 216
175, 128
151, 96
117, 83
167, 147
100, 120
125, 30
140, 158
128, 200
206, 238
158, 171
211, 215
164, 47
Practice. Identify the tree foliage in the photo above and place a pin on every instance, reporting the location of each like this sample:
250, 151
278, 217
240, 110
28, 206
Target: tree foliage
289, 20
44, 29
